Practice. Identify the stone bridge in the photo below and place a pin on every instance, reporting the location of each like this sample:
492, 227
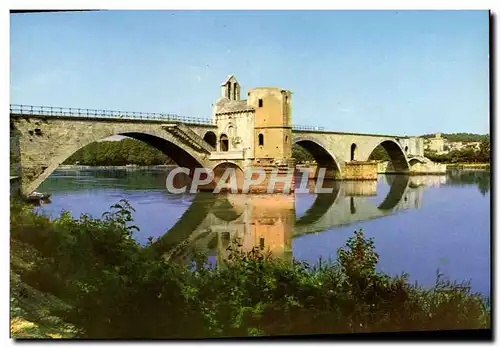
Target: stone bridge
336, 150
40, 141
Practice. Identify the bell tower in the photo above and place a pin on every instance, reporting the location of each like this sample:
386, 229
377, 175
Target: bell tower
230, 89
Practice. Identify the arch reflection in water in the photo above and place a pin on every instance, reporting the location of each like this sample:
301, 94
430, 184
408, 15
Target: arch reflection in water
270, 221
351, 203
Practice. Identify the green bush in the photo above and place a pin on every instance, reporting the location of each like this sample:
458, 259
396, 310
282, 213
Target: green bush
89, 277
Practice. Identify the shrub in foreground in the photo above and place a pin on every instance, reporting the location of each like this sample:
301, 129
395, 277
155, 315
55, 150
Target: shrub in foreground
89, 278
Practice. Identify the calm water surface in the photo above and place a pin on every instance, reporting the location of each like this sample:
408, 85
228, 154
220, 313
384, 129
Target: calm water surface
420, 224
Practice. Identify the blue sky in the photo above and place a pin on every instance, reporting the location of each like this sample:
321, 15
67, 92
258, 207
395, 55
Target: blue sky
404, 73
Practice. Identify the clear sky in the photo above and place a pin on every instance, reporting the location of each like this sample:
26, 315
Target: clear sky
404, 73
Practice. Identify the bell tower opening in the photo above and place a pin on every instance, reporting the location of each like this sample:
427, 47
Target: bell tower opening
230, 89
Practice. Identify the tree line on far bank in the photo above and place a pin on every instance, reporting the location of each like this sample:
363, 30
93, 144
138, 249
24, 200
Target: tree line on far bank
118, 153
135, 152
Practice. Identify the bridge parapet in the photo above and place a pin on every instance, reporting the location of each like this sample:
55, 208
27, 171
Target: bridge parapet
189, 136
52, 111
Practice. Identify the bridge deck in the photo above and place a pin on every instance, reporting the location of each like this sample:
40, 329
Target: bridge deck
322, 131
147, 117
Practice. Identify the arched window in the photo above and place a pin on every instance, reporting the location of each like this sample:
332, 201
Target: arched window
229, 90
406, 148
210, 138
353, 152
353, 208
230, 130
261, 139
224, 143
286, 139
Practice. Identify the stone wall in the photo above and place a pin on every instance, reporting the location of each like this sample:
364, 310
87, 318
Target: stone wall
283, 168
428, 168
416, 167
357, 170
236, 126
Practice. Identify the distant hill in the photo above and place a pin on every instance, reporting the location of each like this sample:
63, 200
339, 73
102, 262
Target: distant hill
466, 137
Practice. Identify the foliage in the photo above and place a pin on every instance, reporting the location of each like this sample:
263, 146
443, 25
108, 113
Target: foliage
118, 153
465, 155
301, 155
379, 154
99, 283
463, 137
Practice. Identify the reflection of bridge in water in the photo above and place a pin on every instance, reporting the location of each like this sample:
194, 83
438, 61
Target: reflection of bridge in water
270, 221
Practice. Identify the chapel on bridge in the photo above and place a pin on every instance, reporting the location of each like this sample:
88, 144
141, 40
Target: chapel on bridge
258, 127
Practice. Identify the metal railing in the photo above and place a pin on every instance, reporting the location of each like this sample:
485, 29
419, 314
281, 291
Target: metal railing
55, 111
307, 128
52, 111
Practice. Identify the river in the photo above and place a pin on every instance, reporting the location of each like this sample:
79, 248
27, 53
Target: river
420, 224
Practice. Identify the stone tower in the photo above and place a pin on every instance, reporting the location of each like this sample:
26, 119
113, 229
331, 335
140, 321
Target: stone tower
273, 125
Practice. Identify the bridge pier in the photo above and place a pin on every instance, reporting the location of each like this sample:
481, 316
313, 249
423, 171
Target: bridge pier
360, 170
282, 169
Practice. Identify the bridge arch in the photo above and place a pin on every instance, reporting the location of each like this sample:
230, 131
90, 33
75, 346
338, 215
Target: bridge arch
396, 154
398, 189
320, 207
177, 153
39, 157
220, 169
414, 160
323, 157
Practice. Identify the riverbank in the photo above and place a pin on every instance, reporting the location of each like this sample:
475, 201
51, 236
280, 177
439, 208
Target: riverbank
468, 165
381, 170
89, 273
130, 166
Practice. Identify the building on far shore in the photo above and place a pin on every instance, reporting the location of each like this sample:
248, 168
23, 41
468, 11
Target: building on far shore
441, 145
435, 144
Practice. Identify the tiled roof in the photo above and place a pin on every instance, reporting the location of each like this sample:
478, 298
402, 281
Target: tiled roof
226, 106
229, 78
